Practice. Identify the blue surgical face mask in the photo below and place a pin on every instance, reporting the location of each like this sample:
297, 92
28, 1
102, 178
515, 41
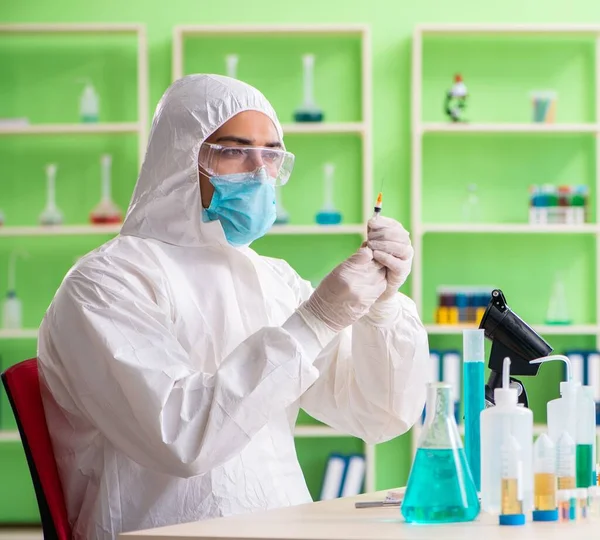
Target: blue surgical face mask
244, 203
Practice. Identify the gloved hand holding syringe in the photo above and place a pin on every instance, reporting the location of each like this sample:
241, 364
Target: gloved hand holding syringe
391, 246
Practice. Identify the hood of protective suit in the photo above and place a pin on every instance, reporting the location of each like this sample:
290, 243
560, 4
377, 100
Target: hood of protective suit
166, 203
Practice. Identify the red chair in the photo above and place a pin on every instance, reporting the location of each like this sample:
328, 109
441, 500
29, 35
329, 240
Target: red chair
22, 386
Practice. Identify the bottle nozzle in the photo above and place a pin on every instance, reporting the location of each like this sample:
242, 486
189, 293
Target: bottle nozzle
552, 357
506, 374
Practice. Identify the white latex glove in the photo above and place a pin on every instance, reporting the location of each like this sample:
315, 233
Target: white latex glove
391, 247
348, 292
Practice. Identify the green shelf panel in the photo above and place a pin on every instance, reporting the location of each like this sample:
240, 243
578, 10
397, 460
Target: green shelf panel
45, 73
503, 167
23, 162
273, 64
500, 72
523, 266
303, 195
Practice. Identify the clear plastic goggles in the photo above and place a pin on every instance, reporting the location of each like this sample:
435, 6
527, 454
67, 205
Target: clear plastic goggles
218, 160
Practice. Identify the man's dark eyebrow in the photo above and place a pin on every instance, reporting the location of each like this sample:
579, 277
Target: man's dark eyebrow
246, 142
233, 138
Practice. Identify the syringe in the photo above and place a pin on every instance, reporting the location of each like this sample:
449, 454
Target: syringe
377, 207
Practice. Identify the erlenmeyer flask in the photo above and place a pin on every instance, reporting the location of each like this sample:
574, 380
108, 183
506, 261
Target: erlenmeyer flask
440, 486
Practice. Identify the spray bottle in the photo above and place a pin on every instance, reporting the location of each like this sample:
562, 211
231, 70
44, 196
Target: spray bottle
12, 310
506, 455
574, 413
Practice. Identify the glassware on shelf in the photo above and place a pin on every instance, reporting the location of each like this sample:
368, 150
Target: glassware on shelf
282, 216
440, 487
106, 211
308, 111
12, 308
51, 214
328, 215
471, 210
558, 308
231, 63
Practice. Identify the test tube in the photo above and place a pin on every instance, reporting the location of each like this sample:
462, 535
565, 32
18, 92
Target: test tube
572, 504
511, 504
594, 500
565, 470
544, 469
563, 497
582, 503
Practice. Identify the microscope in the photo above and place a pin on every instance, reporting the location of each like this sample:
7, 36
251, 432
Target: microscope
512, 337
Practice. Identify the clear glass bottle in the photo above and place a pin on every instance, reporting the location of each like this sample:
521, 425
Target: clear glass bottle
471, 209
440, 487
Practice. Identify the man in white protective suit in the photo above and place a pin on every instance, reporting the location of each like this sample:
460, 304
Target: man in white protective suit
174, 359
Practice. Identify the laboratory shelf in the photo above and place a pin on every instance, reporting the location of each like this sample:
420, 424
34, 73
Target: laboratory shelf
24, 333
509, 128
9, 436
487, 28
316, 128
544, 329
318, 229
317, 431
506, 228
60, 230
6, 128
79, 230
66, 28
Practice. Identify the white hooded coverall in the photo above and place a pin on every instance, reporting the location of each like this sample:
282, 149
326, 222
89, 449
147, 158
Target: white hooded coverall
174, 365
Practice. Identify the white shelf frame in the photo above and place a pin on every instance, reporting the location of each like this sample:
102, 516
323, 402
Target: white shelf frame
508, 128
140, 127
82, 230
420, 129
69, 129
23, 333
542, 329
505, 228
363, 129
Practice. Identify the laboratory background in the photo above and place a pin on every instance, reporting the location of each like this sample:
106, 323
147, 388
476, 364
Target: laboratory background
481, 137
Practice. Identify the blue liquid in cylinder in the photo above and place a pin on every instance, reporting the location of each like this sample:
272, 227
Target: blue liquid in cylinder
474, 400
440, 488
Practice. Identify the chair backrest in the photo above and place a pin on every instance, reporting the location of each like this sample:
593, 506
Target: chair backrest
22, 385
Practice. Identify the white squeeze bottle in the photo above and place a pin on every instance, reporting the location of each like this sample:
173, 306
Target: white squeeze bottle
506, 425
562, 412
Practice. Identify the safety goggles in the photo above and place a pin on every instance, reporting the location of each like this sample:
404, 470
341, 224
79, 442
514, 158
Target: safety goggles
218, 160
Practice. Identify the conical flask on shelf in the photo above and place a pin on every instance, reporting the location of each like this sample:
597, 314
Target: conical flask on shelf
106, 211
440, 487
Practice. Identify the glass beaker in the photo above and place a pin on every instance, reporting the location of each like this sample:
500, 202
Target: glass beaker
440, 486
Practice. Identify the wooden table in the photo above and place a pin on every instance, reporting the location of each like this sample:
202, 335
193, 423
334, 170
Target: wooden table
339, 520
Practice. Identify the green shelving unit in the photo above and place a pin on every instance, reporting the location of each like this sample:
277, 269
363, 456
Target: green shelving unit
503, 152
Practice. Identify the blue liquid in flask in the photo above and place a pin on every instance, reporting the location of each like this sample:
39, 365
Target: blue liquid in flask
440, 488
